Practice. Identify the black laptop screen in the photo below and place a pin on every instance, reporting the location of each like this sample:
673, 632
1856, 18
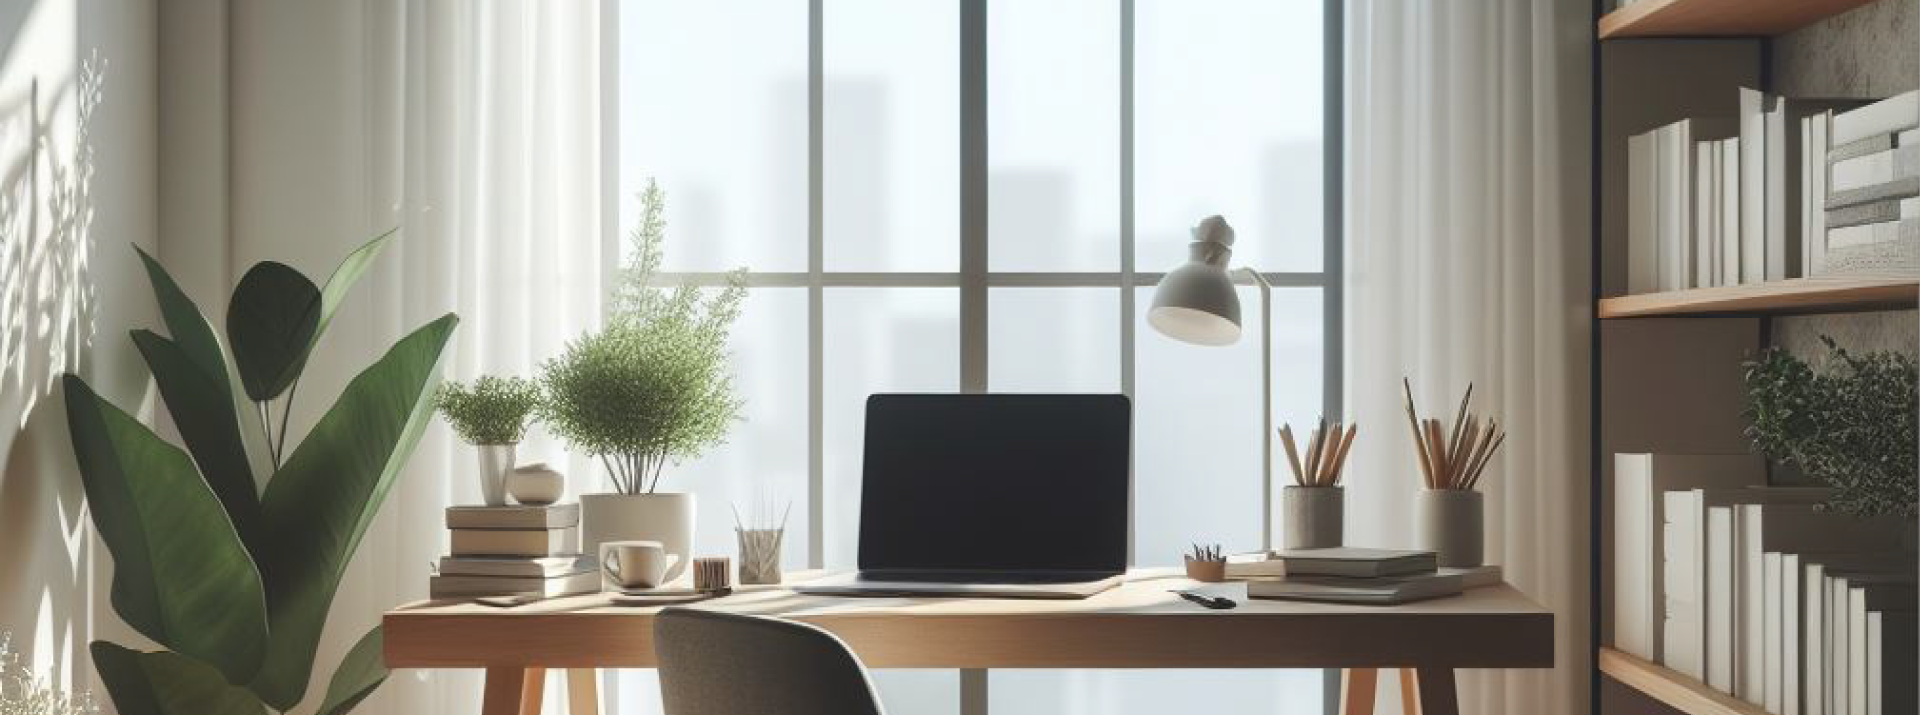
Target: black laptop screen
995, 482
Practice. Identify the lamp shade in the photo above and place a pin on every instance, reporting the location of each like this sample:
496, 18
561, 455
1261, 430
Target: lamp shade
1196, 302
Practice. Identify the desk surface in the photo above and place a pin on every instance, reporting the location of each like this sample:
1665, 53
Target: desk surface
1136, 625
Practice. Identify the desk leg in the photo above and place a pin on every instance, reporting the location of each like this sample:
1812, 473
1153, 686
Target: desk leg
1357, 686
583, 691
1437, 694
513, 691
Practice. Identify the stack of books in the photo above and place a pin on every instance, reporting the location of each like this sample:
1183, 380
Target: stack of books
1354, 575
1720, 202
514, 551
1757, 590
1864, 180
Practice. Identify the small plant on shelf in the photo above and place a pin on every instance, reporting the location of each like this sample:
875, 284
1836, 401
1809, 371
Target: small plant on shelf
490, 410
1850, 424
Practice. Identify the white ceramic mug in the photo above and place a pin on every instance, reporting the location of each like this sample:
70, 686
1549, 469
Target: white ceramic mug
636, 564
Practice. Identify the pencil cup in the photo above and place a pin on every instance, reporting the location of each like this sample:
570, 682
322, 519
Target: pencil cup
1314, 516
759, 555
1453, 525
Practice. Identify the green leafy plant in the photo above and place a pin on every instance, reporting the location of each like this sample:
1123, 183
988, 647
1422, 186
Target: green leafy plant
233, 579
1851, 425
492, 410
653, 385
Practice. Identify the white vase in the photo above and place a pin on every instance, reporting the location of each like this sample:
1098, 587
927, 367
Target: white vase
496, 461
536, 484
1452, 524
666, 518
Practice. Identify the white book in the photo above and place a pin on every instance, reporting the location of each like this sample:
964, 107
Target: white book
1792, 593
1705, 242
1639, 526
1643, 198
1698, 634
1876, 679
474, 586
515, 542
1730, 214
1753, 186
1762, 528
1816, 639
1891, 656
1771, 693
1910, 208
1891, 115
1838, 646
1813, 254
519, 567
1675, 223
1865, 593
1873, 233
1876, 168
1809, 206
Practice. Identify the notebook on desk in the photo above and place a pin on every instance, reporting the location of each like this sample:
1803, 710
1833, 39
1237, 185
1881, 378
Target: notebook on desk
981, 495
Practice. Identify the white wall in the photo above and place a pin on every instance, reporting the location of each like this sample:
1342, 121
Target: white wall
70, 288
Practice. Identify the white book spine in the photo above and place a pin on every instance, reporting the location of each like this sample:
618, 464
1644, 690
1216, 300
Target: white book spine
1782, 171
1893, 114
1681, 636
1730, 215
1791, 675
1633, 558
1643, 191
1816, 256
1720, 601
1876, 168
1856, 650
1837, 675
1876, 658
1674, 222
1815, 699
1753, 182
1704, 215
1772, 694
1867, 234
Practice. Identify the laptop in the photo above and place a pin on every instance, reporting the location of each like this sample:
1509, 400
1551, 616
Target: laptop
983, 495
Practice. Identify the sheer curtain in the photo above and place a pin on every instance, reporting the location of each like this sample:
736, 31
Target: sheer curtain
1468, 259
484, 146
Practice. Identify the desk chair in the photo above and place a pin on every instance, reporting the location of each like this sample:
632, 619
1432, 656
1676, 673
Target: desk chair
714, 663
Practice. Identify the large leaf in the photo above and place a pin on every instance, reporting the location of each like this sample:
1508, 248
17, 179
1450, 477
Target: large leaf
212, 445
363, 669
202, 409
165, 683
277, 317
272, 321
181, 575
319, 504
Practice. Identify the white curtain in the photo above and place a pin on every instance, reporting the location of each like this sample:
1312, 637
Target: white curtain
484, 134
1467, 261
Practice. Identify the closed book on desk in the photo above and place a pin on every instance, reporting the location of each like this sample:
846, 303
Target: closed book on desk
553, 516
474, 586
1640, 482
1371, 591
516, 542
1356, 562
542, 567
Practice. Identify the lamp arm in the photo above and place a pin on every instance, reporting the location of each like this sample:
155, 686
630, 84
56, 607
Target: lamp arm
1266, 405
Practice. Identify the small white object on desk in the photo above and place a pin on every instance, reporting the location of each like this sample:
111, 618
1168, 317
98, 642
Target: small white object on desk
536, 484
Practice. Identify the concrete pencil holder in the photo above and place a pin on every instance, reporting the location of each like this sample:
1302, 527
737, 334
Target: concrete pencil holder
1314, 516
1452, 524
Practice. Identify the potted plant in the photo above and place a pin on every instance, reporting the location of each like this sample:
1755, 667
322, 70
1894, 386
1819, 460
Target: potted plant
650, 389
229, 557
1849, 424
490, 414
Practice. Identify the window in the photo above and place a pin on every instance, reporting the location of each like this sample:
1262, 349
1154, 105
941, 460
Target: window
981, 195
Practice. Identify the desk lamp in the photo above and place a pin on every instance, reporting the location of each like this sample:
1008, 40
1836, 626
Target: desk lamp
1196, 303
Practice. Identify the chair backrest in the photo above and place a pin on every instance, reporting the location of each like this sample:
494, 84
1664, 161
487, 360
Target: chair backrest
714, 663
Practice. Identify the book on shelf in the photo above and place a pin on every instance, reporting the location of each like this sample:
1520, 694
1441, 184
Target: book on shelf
1706, 214
1891, 662
449, 586
1377, 590
1815, 153
552, 516
1816, 641
1729, 208
526, 567
1865, 594
1354, 562
515, 542
1697, 571
1888, 116
1668, 221
1753, 186
1764, 528
1643, 224
1640, 524
1879, 167
1876, 212
1772, 181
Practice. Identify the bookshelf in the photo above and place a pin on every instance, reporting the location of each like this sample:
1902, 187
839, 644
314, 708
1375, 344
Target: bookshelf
1799, 295
1672, 688
1684, 18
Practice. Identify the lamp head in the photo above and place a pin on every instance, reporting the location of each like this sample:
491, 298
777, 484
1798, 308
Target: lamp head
1196, 303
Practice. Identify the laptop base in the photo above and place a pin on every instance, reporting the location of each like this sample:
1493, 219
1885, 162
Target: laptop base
877, 584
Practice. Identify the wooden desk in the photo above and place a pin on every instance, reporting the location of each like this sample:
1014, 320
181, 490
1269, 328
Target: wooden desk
1137, 625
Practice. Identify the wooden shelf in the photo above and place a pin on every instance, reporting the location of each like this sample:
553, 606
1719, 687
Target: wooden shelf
1658, 18
1671, 687
1799, 295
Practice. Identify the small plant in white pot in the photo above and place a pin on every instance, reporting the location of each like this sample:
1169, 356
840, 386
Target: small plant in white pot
650, 389
492, 414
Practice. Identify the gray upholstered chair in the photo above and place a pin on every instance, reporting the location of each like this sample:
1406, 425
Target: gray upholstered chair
714, 663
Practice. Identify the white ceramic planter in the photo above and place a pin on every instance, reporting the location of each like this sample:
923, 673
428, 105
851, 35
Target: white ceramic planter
1453, 525
1315, 516
666, 518
536, 484
496, 462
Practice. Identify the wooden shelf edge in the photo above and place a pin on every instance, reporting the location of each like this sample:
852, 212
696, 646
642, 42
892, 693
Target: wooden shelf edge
1732, 18
1798, 295
1671, 687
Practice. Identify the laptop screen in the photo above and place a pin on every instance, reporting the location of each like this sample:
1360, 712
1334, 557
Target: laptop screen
995, 483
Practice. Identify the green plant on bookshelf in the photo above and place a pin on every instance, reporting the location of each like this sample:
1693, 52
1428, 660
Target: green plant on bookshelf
490, 410
226, 556
653, 385
1849, 424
